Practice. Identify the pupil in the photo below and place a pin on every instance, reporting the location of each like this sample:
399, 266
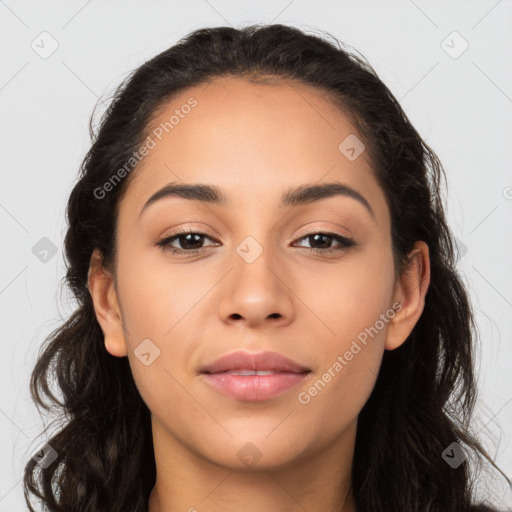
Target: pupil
325, 237
187, 238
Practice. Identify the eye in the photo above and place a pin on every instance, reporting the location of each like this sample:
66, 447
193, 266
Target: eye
324, 240
190, 242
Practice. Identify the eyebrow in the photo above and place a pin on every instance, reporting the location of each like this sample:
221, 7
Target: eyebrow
304, 194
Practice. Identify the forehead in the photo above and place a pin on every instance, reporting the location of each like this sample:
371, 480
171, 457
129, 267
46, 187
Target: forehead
251, 139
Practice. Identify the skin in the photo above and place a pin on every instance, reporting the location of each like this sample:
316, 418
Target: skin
254, 141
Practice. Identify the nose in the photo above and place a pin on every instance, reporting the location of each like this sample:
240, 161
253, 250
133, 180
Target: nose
257, 292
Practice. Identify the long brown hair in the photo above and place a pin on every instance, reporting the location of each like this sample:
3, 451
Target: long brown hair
425, 393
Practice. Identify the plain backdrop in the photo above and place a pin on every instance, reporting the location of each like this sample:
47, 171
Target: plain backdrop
448, 63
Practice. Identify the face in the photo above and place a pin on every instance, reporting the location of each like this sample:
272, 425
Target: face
310, 279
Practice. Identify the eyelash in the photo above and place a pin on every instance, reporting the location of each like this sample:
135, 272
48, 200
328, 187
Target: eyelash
346, 243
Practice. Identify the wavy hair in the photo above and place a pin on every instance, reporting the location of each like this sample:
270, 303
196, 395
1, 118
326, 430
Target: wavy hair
425, 393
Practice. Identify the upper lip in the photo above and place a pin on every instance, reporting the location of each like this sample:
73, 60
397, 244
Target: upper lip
261, 361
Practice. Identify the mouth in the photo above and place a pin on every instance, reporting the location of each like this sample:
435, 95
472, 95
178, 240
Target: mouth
254, 377
254, 386
250, 372
259, 362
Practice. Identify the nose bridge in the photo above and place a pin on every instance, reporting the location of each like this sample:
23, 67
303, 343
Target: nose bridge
254, 264
256, 289
255, 249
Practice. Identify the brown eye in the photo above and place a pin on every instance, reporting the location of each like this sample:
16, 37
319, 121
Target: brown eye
321, 242
189, 242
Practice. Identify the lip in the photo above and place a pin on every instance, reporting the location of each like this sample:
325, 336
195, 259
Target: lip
263, 361
288, 374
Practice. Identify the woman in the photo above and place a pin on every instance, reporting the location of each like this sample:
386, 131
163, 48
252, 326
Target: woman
269, 315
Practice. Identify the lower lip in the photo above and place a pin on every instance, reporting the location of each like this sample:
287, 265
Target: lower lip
255, 388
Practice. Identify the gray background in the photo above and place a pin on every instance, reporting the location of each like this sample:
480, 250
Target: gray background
461, 106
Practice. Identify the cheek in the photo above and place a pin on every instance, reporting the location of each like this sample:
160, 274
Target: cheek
157, 294
352, 308
154, 300
345, 298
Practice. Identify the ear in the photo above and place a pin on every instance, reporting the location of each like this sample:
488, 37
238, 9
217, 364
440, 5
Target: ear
106, 306
410, 291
